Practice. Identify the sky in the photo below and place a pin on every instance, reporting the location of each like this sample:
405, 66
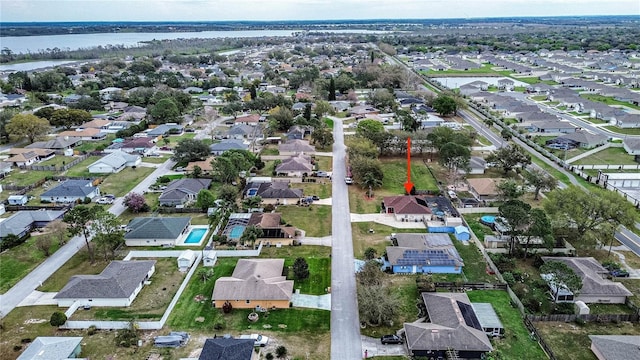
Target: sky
216, 10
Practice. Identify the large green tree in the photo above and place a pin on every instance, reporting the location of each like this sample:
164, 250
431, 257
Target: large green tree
165, 111
445, 105
108, 236
189, 150
509, 157
516, 219
559, 275
539, 180
588, 214
27, 125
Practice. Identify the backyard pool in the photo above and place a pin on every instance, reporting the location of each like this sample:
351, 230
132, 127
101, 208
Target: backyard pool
236, 232
488, 220
195, 236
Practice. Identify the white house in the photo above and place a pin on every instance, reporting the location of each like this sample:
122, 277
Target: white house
117, 285
114, 162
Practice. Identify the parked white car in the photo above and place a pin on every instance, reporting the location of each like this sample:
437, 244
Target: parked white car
105, 200
258, 340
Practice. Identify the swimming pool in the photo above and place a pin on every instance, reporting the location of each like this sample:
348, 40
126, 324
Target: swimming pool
488, 220
236, 232
195, 236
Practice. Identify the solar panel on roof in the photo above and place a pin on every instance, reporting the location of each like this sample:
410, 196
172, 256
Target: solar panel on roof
469, 315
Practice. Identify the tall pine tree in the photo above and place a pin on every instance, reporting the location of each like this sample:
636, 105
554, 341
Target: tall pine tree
332, 90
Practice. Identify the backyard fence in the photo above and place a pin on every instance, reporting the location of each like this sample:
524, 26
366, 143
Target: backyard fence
602, 318
64, 167
23, 189
39, 207
469, 286
174, 210
534, 333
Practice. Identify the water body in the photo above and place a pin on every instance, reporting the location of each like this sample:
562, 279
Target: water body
456, 82
33, 65
33, 44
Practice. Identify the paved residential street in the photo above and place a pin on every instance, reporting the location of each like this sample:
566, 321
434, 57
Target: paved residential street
345, 324
35, 278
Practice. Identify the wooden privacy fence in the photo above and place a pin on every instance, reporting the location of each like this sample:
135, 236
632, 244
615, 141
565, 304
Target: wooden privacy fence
588, 317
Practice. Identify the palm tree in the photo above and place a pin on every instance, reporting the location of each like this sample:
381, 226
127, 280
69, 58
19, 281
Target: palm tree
370, 181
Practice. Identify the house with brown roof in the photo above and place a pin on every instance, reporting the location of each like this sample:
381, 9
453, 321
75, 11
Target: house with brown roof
407, 208
141, 145
254, 283
295, 166
272, 228
22, 157
88, 134
96, 124
484, 188
252, 119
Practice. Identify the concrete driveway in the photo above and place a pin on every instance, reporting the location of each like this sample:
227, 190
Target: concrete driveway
322, 302
373, 347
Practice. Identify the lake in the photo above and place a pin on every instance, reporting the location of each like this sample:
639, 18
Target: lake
26, 44
456, 82
32, 65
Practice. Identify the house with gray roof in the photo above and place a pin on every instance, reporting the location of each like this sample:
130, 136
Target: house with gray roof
156, 231
296, 146
453, 327
615, 347
117, 285
296, 166
182, 191
226, 145
71, 191
579, 139
632, 146
423, 253
276, 193
53, 348
254, 282
23, 222
596, 288
243, 131
114, 162
166, 129
58, 143
222, 348
553, 127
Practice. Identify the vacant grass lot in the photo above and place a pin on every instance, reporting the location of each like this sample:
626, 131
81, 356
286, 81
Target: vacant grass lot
379, 239
123, 182
610, 156
24, 177
314, 219
360, 203
318, 258
152, 301
321, 190
325, 163
17, 262
627, 131
395, 175
80, 169
608, 100
404, 287
571, 341
156, 159
516, 344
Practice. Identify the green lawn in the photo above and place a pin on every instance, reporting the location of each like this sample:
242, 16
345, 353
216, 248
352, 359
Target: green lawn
80, 169
516, 344
25, 177
329, 122
78, 265
155, 159
611, 156
395, 175
571, 341
363, 238
474, 264
615, 129
57, 161
325, 163
321, 190
550, 169
17, 262
598, 121
318, 258
123, 182
608, 100
314, 219
480, 230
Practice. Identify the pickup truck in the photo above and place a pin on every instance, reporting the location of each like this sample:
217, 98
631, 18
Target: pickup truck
258, 340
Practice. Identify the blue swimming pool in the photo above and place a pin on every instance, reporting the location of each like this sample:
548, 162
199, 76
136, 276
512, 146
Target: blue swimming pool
236, 232
195, 236
488, 220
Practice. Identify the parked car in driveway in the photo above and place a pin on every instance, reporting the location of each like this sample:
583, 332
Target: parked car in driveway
258, 340
390, 339
105, 200
619, 273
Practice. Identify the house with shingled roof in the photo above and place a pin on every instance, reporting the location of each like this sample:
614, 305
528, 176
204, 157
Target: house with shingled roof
223, 348
276, 192
53, 348
295, 166
156, 231
71, 191
295, 147
254, 282
615, 347
484, 188
117, 285
114, 162
182, 191
452, 330
407, 208
428, 253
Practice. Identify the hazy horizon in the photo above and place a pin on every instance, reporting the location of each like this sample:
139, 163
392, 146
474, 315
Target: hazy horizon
291, 10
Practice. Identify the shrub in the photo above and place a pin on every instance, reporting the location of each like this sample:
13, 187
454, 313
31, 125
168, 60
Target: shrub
424, 283
17, 348
563, 308
227, 307
58, 319
269, 356
509, 278
126, 338
92, 330
281, 351
219, 324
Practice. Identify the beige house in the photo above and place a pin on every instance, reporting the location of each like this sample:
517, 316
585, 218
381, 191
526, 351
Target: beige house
254, 282
484, 188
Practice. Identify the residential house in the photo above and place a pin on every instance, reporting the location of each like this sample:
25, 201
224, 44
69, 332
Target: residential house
53, 348
276, 193
361, 111
453, 328
114, 162
223, 348
22, 157
579, 139
59, 143
111, 93
339, 105
141, 145
506, 84
271, 226
295, 166
429, 121
22, 223
407, 208
632, 147
182, 191
298, 132
252, 119
484, 188
295, 147
596, 288
86, 134
156, 231
563, 127
226, 145
101, 124
165, 130
242, 131
423, 253
254, 283
615, 347
117, 285
71, 191
477, 166
628, 121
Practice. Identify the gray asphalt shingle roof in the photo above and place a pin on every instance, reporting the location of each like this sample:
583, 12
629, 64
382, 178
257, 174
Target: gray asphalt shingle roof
617, 347
227, 349
51, 348
118, 280
156, 227
178, 189
72, 188
18, 222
